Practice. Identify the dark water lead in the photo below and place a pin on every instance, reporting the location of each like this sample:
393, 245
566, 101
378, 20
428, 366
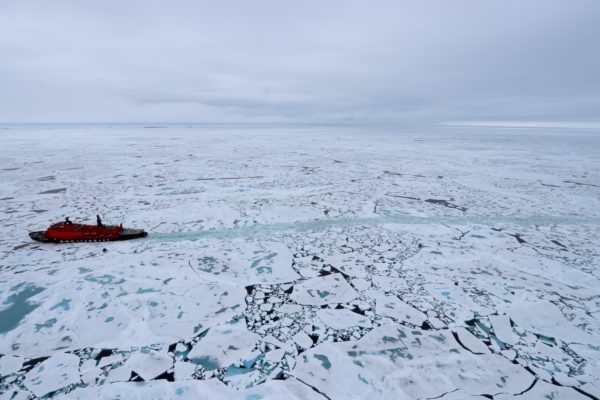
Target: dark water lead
18, 308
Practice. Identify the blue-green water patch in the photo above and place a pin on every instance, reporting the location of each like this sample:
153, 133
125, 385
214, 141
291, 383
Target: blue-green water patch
440, 338
48, 324
105, 279
324, 360
207, 362
18, 307
250, 363
233, 371
149, 290
65, 304
393, 354
181, 390
264, 269
546, 339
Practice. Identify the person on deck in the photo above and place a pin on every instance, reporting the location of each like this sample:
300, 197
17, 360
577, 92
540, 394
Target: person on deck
98, 220
68, 221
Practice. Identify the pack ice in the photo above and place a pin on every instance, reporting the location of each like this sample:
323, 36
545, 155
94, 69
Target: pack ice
302, 263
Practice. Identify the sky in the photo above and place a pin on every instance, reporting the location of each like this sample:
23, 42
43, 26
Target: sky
300, 62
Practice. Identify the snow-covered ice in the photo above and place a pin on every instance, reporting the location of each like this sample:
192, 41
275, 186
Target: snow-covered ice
302, 263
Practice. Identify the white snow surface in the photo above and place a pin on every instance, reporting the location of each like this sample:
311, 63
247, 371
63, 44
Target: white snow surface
301, 263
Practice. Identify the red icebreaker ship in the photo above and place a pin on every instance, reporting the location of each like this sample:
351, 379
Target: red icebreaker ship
69, 232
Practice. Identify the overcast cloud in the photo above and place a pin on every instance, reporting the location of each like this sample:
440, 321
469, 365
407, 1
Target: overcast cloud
300, 62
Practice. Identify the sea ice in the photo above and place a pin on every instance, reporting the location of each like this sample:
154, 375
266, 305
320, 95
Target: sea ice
502, 328
52, 374
302, 263
329, 289
149, 364
223, 345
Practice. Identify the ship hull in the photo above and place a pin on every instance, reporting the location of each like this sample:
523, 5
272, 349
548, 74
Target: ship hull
68, 233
